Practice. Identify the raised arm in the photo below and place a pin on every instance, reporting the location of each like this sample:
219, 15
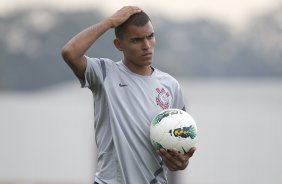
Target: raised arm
73, 52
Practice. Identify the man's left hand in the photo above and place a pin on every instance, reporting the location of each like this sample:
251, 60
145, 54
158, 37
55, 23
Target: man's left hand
174, 160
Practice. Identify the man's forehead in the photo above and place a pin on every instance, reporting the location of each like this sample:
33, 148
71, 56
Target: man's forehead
139, 31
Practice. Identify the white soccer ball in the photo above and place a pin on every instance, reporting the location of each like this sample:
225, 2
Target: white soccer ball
173, 128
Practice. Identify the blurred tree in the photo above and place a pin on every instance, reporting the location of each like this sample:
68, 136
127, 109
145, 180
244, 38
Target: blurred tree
31, 41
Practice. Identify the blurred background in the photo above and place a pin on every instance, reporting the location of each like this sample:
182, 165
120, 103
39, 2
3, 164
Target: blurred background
227, 55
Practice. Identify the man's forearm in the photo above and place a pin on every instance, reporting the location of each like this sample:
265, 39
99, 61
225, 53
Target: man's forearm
79, 44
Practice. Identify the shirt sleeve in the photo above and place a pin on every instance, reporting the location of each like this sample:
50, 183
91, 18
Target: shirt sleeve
93, 75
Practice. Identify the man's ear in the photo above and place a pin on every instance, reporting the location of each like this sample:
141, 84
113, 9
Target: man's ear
118, 45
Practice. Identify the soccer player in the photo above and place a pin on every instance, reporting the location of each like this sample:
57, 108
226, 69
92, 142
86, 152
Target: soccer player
127, 95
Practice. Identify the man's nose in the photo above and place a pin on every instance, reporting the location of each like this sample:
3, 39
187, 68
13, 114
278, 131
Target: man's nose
146, 44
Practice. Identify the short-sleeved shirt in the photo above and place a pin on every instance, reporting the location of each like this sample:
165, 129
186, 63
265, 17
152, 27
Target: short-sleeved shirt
124, 105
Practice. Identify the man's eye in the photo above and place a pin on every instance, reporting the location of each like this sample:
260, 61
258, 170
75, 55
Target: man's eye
151, 36
135, 40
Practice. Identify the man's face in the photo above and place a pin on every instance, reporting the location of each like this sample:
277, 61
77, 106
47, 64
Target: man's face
138, 44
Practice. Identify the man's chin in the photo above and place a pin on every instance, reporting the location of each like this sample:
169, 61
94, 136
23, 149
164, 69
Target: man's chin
147, 62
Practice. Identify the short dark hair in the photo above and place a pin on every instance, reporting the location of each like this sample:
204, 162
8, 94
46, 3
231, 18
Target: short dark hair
138, 19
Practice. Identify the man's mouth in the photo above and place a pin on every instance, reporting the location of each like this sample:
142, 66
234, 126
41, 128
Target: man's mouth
147, 54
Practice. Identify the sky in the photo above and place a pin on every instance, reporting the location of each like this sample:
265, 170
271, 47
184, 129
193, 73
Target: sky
233, 12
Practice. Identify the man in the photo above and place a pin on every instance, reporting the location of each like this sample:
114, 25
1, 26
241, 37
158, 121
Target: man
127, 95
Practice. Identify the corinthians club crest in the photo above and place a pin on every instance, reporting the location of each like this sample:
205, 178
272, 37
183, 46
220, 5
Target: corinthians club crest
162, 98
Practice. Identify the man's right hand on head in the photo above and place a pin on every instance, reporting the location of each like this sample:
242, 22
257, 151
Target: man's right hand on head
123, 14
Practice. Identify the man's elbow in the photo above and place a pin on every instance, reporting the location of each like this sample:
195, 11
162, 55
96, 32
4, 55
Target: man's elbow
76, 62
67, 54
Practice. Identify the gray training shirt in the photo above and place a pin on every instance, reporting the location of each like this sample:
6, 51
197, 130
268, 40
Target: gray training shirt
124, 105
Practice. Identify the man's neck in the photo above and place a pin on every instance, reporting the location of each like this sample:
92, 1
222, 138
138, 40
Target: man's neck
144, 70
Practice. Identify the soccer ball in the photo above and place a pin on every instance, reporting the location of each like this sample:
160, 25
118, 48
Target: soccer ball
173, 128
